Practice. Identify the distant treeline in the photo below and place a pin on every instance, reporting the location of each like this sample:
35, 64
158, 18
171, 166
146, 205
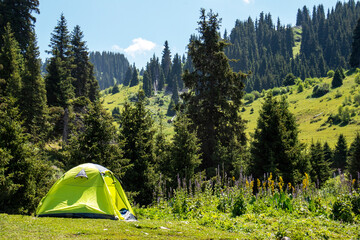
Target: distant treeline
110, 68
266, 49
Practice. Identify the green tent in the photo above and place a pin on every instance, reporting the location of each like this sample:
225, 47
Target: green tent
88, 190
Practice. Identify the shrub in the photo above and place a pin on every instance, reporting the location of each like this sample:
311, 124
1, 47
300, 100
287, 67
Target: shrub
342, 209
239, 207
276, 91
289, 80
249, 97
320, 90
338, 78
357, 99
300, 87
355, 201
256, 94
357, 78
115, 89
330, 73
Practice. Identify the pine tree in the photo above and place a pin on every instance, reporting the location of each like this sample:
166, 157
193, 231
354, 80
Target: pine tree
185, 149
276, 147
128, 76
353, 166
320, 168
58, 81
355, 50
137, 136
97, 142
147, 85
23, 172
171, 111
337, 79
12, 65
82, 71
215, 91
134, 78
18, 13
33, 94
340, 154
166, 59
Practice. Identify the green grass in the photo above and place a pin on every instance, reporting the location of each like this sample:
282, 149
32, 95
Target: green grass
157, 104
297, 36
312, 113
27, 227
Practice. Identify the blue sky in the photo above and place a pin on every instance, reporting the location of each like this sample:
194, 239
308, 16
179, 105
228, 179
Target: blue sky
139, 28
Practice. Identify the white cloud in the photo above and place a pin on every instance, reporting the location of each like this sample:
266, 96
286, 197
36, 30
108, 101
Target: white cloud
247, 1
139, 46
116, 48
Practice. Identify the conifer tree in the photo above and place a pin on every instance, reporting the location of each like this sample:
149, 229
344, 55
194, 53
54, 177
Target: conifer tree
166, 59
97, 142
147, 85
215, 92
23, 172
320, 168
355, 51
82, 71
276, 147
12, 65
134, 78
337, 79
58, 81
353, 166
33, 93
162, 151
137, 136
128, 76
185, 149
18, 13
340, 154
171, 111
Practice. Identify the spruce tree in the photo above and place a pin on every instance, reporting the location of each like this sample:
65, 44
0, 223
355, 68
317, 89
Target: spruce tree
58, 81
337, 79
97, 142
137, 136
320, 168
166, 59
82, 70
171, 111
19, 14
276, 147
353, 166
128, 76
147, 85
12, 65
185, 149
23, 172
355, 50
134, 78
340, 154
215, 92
33, 94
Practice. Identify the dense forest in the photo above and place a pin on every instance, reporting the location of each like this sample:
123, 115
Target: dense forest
51, 123
110, 68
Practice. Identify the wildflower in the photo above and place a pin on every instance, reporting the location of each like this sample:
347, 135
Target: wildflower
281, 184
258, 185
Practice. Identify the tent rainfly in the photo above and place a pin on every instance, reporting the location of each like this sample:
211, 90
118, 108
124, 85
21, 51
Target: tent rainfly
86, 191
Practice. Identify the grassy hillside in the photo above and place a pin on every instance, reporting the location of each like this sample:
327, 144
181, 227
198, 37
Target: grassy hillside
312, 114
157, 104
